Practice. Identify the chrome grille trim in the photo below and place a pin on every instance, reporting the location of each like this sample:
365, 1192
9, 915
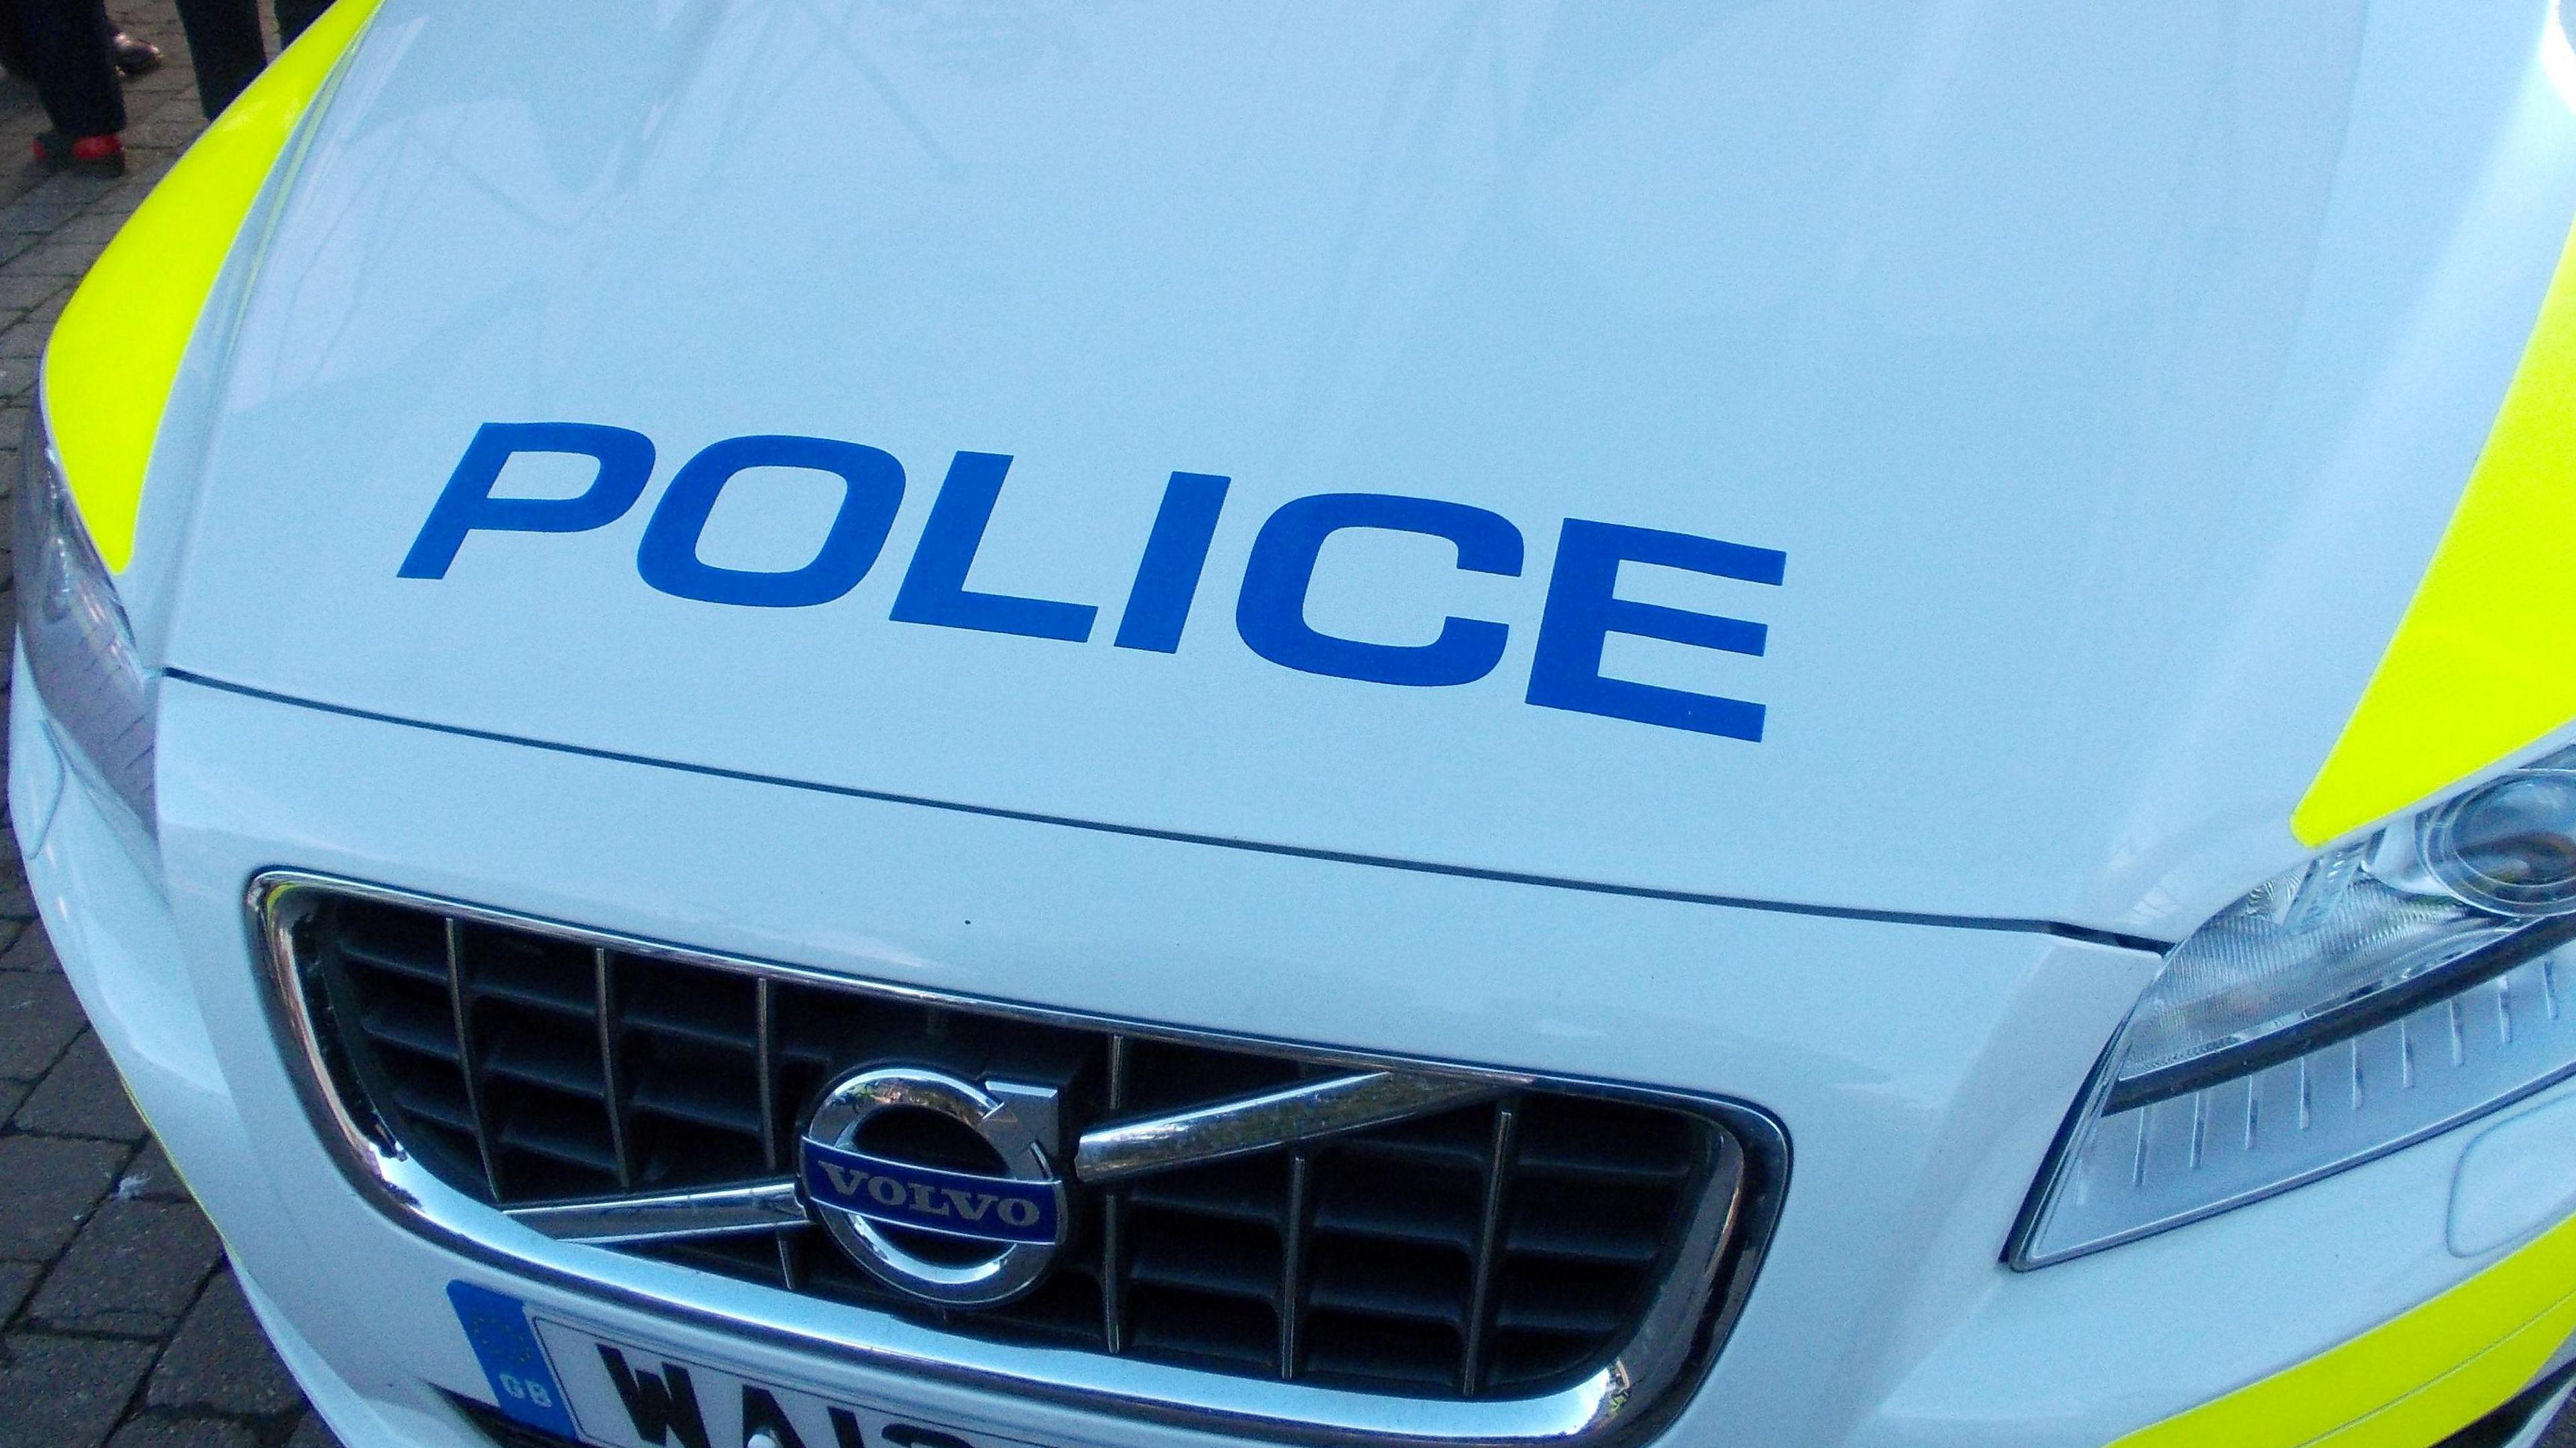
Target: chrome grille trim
668, 1216
1310, 1111
1635, 1394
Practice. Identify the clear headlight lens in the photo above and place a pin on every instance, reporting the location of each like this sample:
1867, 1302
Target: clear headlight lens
2374, 995
73, 628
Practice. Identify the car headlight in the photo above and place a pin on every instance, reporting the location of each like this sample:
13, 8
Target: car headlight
2376, 994
78, 645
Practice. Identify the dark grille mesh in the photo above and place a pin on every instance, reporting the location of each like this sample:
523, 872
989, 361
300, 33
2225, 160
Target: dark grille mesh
1498, 1250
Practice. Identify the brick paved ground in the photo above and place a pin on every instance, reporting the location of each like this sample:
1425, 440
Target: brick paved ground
120, 1324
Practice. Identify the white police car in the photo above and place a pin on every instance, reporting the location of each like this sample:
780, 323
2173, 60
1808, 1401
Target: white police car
819, 723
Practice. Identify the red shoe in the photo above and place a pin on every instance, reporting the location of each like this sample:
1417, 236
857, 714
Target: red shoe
84, 156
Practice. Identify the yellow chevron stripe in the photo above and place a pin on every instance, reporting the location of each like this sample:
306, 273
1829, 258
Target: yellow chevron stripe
116, 351
2410, 1382
2484, 663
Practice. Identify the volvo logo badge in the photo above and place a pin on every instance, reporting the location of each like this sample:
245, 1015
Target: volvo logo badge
941, 1188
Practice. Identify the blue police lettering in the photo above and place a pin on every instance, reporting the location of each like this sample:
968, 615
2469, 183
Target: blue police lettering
934, 589
1582, 608
1167, 578
872, 484
467, 506
1583, 611
1271, 611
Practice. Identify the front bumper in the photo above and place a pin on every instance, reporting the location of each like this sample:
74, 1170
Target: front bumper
1921, 1073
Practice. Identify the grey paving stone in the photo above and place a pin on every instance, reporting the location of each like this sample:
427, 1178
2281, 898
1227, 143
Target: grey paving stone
121, 203
51, 205
11, 1093
52, 1186
89, 230
65, 1392
151, 1178
22, 341
313, 1433
161, 1432
164, 111
38, 1018
150, 166
51, 258
16, 901
167, 126
22, 292
82, 1096
221, 1360
133, 1269
17, 1279
31, 951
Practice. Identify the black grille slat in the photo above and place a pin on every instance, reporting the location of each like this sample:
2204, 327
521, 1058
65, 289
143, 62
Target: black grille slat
406, 942
432, 970
1420, 1208
555, 978
1346, 1349
1214, 1258
412, 1024
1390, 1280
1595, 1141
696, 1005
1523, 1357
1501, 1249
695, 1092
1252, 1190
1460, 1141
559, 1058
1603, 1224
1560, 1313
1191, 1329
561, 1131
441, 1103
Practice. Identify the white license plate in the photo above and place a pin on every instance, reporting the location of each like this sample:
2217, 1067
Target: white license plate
579, 1383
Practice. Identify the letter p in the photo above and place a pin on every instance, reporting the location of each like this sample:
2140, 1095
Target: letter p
625, 464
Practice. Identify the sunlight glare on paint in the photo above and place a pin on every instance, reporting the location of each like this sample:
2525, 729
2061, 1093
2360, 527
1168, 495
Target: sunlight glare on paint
2558, 54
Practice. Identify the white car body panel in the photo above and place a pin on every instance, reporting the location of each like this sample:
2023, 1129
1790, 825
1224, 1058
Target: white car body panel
2106, 415
2100, 493
1922, 1077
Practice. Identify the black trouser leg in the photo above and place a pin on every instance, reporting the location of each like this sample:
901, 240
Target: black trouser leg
294, 15
13, 45
74, 72
223, 36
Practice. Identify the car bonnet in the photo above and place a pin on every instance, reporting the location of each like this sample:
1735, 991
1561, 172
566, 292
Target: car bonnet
2055, 407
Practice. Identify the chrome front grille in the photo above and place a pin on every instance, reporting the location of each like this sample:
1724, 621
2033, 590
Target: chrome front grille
1502, 1249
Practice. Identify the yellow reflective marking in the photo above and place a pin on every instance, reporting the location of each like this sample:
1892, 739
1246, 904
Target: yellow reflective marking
2410, 1382
115, 354
2484, 663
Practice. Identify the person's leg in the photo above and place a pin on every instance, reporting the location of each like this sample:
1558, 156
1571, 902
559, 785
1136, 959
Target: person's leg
224, 39
294, 15
74, 75
13, 45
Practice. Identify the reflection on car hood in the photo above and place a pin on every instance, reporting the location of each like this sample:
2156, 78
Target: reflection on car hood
2096, 381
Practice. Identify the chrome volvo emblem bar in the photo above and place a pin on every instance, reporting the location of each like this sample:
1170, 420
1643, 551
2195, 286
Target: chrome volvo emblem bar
1307, 1111
962, 1233
1014, 1210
